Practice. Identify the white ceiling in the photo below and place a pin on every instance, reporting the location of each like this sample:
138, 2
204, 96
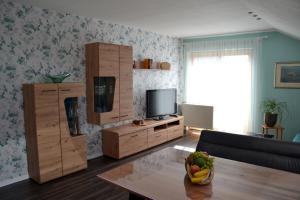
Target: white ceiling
180, 18
284, 15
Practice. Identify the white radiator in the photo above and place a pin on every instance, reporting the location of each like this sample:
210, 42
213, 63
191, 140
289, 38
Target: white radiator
198, 116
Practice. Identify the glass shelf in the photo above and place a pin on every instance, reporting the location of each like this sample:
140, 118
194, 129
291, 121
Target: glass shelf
71, 106
104, 90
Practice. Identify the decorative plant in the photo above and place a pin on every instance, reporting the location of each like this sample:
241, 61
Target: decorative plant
272, 106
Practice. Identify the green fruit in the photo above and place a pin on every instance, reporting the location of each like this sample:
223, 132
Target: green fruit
200, 162
201, 159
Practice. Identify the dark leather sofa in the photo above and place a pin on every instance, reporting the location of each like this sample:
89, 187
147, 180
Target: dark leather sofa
250, 149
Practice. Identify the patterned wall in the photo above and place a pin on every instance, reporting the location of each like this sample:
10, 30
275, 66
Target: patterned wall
35, 41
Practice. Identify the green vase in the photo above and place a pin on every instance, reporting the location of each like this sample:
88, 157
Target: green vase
59, 78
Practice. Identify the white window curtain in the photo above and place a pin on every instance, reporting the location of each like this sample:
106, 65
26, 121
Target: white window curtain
223, 74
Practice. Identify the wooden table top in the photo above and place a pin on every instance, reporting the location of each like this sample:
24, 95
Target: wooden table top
161, 176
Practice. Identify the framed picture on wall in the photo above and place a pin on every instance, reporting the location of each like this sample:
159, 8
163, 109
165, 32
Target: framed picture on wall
287, 75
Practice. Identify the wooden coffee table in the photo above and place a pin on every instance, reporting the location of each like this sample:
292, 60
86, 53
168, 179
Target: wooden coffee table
161, 176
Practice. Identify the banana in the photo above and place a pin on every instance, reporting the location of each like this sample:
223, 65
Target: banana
203, 172
198, 179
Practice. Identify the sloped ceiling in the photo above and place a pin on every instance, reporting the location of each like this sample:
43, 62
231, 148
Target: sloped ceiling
179, 18
185, 18
283, 15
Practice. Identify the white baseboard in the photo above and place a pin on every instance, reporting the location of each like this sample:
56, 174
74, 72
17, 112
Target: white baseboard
13, 180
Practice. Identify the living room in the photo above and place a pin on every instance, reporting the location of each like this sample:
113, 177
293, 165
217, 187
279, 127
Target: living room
187, 53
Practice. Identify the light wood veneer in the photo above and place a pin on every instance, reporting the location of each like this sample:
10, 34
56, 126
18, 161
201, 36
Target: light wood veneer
122, 141
51, 151
126, 81
73, 149
110, 60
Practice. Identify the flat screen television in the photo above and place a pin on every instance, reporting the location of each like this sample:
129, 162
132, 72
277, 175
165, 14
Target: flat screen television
161, 103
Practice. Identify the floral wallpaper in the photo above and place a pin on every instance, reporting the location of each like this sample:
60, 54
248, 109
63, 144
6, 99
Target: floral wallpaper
35, 41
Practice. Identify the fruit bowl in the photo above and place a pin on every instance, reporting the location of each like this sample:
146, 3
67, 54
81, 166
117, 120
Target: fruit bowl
199, 167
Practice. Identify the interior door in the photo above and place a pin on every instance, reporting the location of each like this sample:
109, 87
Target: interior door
126, 88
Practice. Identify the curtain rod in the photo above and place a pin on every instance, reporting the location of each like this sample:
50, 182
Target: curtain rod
219, 39
229, 34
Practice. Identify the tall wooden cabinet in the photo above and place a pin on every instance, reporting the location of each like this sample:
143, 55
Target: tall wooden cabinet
51, 150
108, 83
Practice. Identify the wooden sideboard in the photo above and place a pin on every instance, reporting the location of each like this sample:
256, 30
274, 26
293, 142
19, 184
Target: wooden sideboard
122, 141
109, 89
52, 151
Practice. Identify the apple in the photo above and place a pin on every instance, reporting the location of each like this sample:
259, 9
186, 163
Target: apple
194, 169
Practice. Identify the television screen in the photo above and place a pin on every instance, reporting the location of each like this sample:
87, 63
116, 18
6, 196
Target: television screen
161, 102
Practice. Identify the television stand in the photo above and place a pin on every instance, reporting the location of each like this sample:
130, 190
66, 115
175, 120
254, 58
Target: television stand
125, 140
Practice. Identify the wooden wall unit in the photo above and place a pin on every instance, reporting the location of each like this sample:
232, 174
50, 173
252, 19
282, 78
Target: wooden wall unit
109, 60
41, 117
73, 149
51, 151
122, 141
126, 81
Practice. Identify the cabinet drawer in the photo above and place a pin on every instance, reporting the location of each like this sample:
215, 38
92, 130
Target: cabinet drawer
132, 143
175, 132
157, 137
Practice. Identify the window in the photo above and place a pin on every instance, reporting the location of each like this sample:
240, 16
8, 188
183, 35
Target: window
222, 81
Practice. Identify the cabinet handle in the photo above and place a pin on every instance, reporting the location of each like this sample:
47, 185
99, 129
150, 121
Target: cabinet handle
158, 136
134, 135
65, 90
123, 115
48, 90
115, 117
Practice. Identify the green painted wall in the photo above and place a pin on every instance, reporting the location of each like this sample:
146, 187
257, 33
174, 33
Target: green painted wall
276, 48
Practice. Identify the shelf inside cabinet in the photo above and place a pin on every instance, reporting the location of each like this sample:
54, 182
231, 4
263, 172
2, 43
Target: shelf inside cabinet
71, 107
175, 123
79, 135
160, 127
104, 90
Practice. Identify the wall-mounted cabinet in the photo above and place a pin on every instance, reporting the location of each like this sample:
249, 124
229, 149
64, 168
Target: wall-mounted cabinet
54, 144
108, 83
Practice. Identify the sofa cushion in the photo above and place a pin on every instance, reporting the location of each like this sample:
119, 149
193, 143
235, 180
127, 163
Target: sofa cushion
252, 143
254, 150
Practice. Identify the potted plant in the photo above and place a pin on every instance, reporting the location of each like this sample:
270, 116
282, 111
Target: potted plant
272, 111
